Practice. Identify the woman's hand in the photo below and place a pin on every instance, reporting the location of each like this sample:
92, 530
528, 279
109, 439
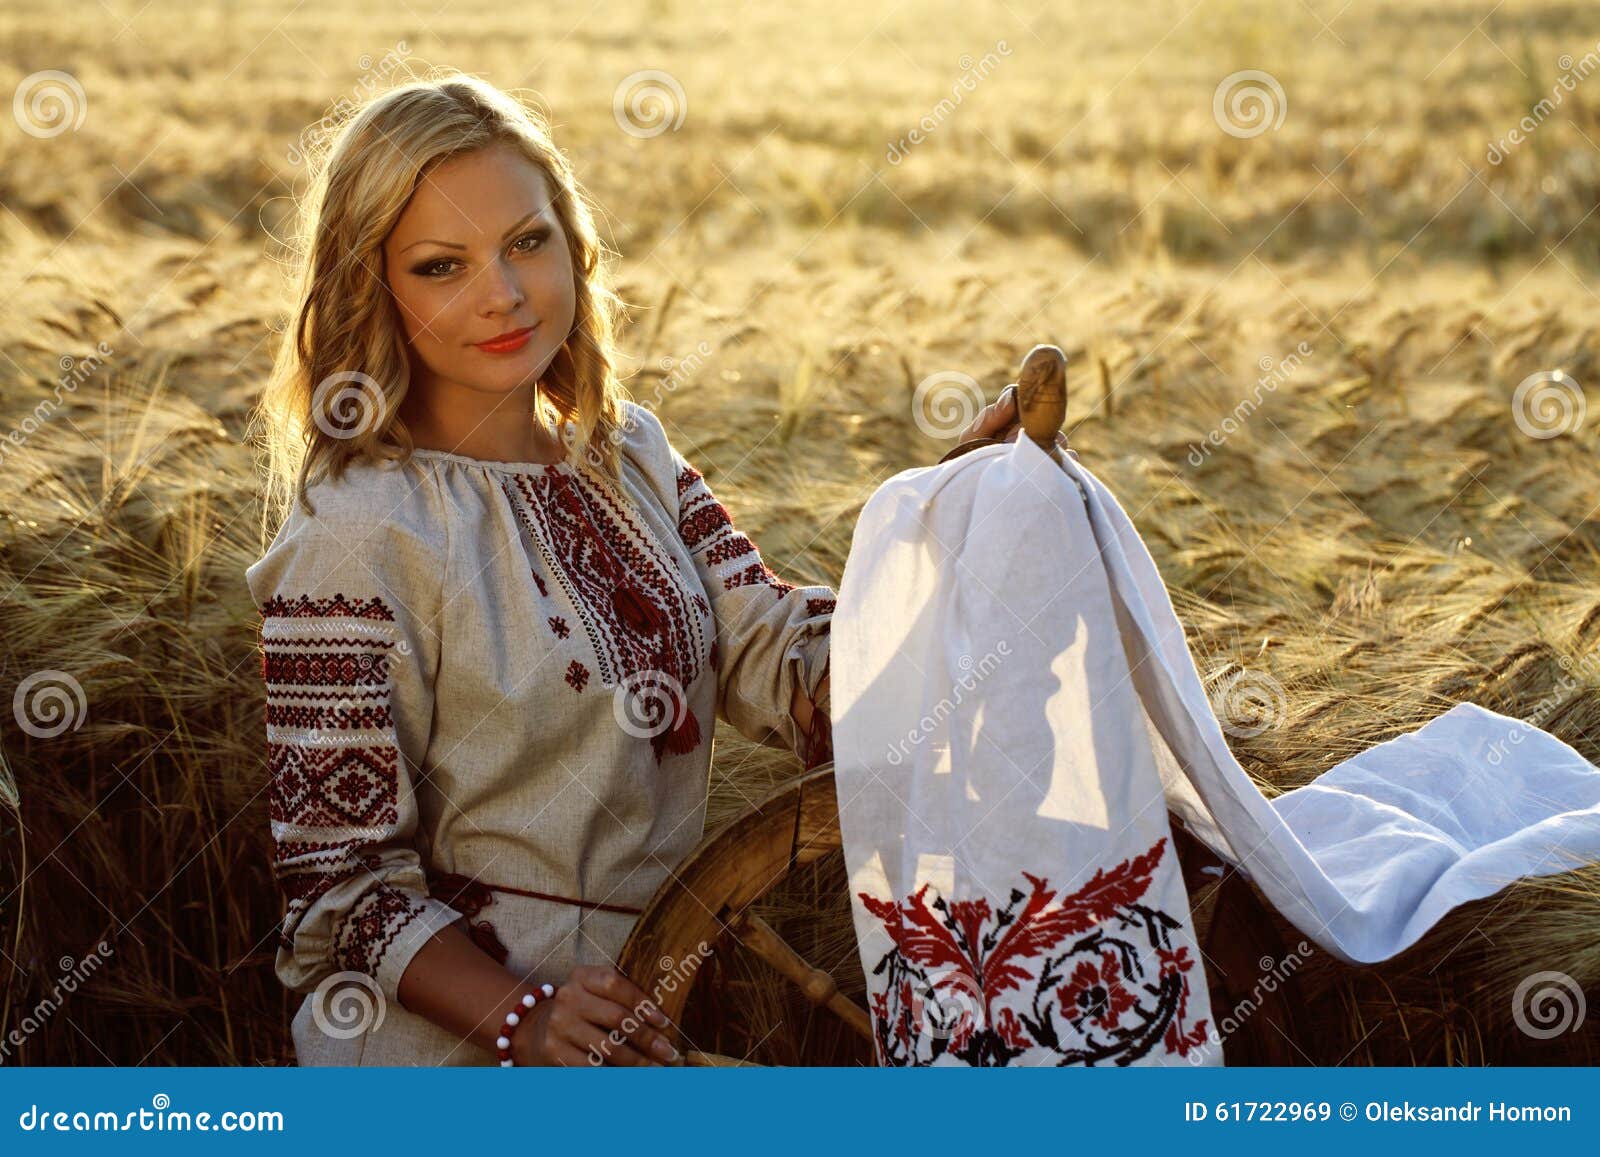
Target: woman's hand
597, 1017
999, 420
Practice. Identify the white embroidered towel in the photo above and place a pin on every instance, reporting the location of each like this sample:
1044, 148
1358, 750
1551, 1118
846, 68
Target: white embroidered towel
1015, 709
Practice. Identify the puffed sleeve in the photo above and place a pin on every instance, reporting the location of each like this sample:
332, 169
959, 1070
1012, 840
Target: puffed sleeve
348, 599
771, 635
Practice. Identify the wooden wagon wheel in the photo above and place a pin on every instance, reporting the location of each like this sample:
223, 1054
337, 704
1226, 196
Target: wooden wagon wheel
709, 898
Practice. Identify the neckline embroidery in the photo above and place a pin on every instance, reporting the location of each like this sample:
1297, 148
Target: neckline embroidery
635, 608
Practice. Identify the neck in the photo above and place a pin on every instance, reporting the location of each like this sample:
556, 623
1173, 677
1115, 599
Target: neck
498, 428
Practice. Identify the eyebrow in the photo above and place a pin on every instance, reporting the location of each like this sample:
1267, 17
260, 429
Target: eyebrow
455, 245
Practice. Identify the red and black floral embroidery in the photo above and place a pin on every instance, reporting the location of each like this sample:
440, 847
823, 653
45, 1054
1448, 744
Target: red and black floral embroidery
334, 764
707, 529
559, 626
635, 606
1091, 977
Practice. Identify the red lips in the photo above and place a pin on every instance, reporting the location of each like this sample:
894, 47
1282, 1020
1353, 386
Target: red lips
506, 342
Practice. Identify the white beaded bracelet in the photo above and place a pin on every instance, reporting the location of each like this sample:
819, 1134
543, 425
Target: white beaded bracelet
502, 1043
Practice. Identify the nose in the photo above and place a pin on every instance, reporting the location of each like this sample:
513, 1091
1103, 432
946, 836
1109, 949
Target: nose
501, 291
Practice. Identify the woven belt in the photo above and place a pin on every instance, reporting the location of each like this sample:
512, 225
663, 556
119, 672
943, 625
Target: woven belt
470, 896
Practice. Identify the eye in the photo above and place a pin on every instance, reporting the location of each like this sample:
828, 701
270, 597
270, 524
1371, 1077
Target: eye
431, 268
539, 235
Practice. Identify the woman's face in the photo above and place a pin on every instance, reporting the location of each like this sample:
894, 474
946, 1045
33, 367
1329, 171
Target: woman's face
478, 253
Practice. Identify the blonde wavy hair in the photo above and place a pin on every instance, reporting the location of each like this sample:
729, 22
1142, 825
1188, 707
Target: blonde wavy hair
346, 348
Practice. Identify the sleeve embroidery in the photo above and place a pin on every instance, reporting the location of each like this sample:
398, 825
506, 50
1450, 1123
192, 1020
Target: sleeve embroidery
766, 645
335, 767
706, 525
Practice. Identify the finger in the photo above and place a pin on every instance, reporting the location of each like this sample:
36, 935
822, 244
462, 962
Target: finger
617, 988
994, 418
612, 1049
571, 1056
626, 1024
656, 1044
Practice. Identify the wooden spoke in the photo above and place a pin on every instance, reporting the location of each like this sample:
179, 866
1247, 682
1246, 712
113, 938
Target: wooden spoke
820, 989
715, 1060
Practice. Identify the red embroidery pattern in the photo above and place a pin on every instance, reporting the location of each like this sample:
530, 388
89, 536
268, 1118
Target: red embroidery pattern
635, 604
1078, 958
708, 530
559, 626
334, 762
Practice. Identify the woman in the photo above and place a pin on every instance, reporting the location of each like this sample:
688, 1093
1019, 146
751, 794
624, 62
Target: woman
493, 654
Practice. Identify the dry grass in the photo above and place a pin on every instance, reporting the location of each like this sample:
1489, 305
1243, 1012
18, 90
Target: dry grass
1380, 536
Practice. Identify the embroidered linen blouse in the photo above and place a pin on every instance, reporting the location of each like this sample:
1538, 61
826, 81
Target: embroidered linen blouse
502, 675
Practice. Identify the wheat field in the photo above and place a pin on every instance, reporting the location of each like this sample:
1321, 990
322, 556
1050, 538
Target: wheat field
1327, 342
